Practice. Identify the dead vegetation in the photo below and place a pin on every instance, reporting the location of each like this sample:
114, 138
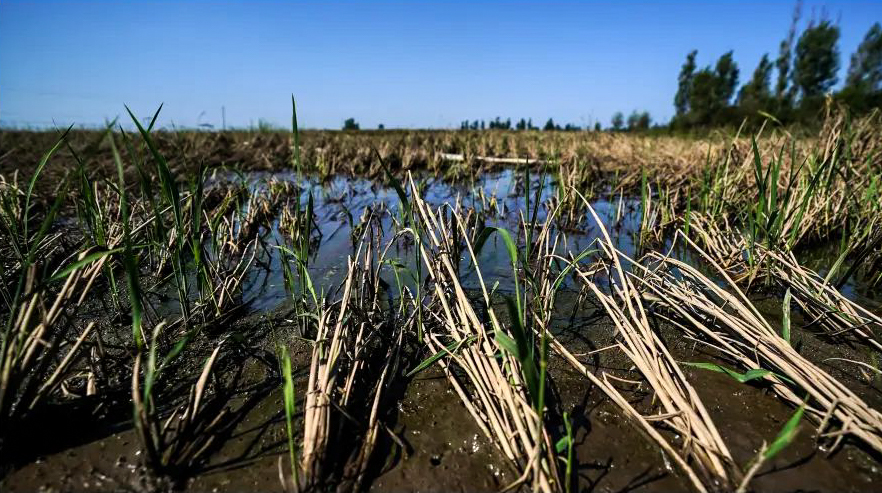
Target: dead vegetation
168, 254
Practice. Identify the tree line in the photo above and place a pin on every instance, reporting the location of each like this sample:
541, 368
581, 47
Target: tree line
792, 87
522, 124
637, 120
806, 69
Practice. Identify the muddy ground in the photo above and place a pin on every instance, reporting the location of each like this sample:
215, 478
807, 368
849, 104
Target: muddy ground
444, 449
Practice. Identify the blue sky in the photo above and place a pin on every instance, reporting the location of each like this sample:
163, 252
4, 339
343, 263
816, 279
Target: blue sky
414, 64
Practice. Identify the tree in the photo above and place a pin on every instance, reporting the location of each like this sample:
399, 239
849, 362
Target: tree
597, 126
702, 94
726, 72
681, 99
381, 127
703, 100
755, 95
865, 69
633, 118
350, 124
817, 59
639, 120
782, 94
549, 125
618, 120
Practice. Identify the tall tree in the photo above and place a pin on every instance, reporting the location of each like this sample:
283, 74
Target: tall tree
865, 69
687, 72
703, 100
618, 120
755, 94
784, 54
726, 72
633, 120
817, 59
645, 120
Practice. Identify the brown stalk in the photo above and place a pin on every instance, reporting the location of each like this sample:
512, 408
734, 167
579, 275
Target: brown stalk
727, 318
495, 395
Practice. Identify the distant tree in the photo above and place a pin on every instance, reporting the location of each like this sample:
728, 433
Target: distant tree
726, 72
597, 126
482, 124
711, 91
549, 125
756, 95
632, 120
381, 127
817, 59
783, 94
521, 125
639, 120
703, 101
350, 124
498, 124
865, 69
681, 99
618, 120
530, 124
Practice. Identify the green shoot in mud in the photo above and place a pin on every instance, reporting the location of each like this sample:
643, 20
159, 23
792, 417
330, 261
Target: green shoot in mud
175, 444
565, 444
129, 260
290, 411
170, 193
782, 440
295, 146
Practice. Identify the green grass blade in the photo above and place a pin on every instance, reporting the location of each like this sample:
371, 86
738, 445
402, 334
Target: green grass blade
88, 259
129, 261
786, 435
749, 375
447, 350
290, 408
294, 130
36, 175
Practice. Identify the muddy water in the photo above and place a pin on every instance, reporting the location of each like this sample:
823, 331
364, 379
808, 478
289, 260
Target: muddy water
444, 449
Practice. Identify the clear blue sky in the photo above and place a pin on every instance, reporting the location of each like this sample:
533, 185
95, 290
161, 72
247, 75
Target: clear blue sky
413, 64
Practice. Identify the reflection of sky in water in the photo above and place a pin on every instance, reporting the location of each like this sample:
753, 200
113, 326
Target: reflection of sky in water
341, 196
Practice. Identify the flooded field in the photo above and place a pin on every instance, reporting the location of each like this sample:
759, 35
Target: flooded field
527, 327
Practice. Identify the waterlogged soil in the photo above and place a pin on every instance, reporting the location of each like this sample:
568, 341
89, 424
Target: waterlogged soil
90, 444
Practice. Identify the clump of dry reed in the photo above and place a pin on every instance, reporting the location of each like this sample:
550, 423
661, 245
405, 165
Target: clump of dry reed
488, 378
354, 361
725, 319
176, 441
41, 345
701, 453
822, 302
